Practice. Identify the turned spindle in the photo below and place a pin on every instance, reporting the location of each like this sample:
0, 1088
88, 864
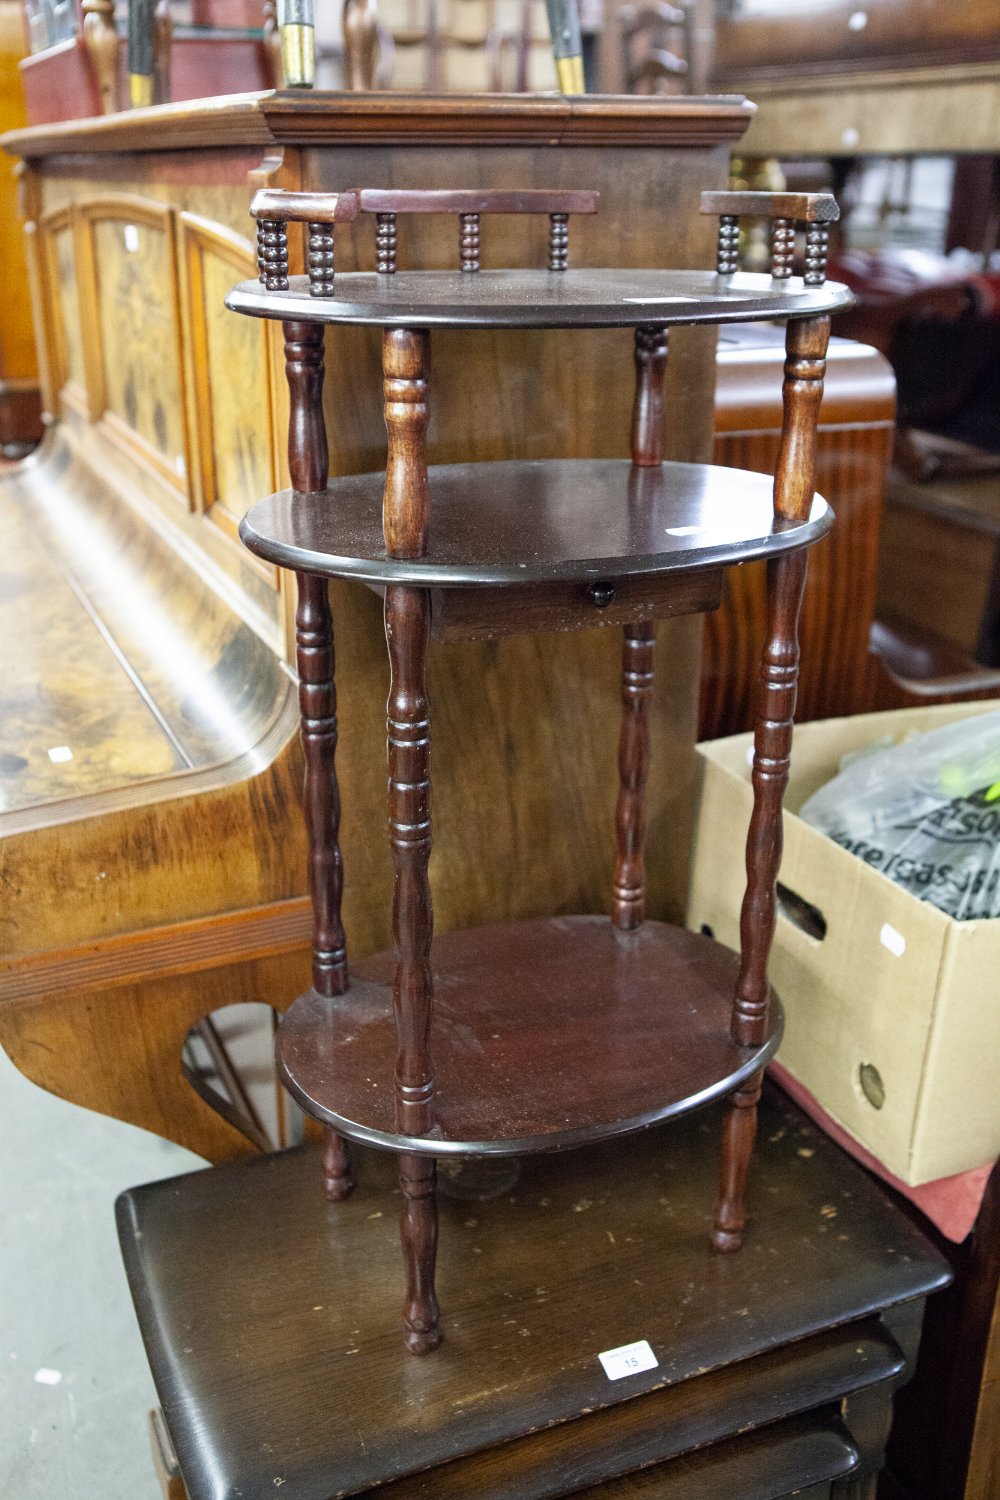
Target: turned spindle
558, 242
651, 349
817, 245
320, 260
361, 44
782, 248
405, 504
418, 1232
308, 462
385, 243
100, 37
321, 796
468, 241
629, 883
272, 254
728, 245
806, 341
407, 625
309, 469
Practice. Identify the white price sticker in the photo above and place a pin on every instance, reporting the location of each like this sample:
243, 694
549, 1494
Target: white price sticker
630, 1359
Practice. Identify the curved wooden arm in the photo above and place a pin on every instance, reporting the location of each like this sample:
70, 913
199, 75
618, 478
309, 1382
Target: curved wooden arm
804, 208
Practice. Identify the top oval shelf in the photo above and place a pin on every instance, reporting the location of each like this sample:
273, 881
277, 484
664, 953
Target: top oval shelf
542, 299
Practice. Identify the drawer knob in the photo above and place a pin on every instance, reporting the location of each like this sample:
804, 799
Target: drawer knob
602, 594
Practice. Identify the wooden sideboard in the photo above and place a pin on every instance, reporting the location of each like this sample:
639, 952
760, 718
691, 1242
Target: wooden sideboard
158, 872
893, 76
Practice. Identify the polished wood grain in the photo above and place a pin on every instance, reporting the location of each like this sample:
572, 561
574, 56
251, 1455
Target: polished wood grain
649, 1036
487, 525
577, 1251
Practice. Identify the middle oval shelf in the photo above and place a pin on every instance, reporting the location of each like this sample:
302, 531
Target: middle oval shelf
536, 521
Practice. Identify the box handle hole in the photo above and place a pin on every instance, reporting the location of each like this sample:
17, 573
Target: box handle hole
872, 1086
801, 913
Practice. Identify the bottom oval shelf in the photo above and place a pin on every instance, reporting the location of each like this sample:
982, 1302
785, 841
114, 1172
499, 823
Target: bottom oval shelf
546, 1034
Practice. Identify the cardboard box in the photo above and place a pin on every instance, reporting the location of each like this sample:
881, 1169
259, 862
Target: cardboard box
893, 1008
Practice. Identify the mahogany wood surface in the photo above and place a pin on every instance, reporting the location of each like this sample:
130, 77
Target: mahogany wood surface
586, 1251
645, 1013
531, 522
535, 299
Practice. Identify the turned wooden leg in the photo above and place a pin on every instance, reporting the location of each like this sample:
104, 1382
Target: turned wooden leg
337, 1179
805, 343
738, 1132
418, 1229
309, 469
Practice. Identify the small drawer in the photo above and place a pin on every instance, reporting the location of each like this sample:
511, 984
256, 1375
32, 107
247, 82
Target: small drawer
471, 613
